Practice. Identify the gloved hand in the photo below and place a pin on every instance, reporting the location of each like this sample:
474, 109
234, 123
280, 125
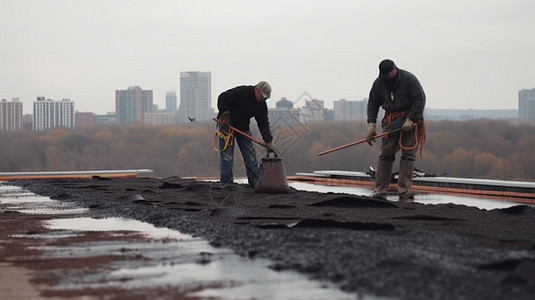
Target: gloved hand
225, 118
407, 126
269, 147
371, 133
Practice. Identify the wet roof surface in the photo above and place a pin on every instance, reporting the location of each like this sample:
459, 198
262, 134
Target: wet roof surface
74, 255
361, 245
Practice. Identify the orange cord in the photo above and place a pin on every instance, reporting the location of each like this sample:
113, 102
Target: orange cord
419, 136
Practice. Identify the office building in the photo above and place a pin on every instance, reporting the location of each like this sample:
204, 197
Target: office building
51, 114
312, 111
132, 104
345, 110
328, 115
107, 119
195, 97
27, 121
284, 114
284, 103
84, 119
10, 115
526, 104
170, 102
161, 118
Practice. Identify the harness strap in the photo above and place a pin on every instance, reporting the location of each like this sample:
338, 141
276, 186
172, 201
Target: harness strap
419, 130
391, 116
227, 137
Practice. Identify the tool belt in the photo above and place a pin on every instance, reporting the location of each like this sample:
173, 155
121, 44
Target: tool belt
394, 118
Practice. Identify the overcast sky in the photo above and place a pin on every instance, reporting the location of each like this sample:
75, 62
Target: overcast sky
466, 53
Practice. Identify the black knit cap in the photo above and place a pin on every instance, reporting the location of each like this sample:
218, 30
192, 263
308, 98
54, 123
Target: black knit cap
385, 67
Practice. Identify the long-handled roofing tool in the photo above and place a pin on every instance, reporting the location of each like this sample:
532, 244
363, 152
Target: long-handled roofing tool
357, 142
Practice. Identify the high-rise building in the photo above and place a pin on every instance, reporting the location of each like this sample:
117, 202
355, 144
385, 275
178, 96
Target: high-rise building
10, 115
51, 114
132, 104
526, 104
345, 110
195, 96
170, 102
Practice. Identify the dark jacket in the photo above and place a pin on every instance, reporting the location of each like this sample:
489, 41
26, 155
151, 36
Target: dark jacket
403, 93
242, 105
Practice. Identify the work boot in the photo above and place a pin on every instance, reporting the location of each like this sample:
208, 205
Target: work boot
383, 175
405, 179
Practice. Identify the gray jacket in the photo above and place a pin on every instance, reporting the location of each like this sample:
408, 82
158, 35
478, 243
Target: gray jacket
404, 93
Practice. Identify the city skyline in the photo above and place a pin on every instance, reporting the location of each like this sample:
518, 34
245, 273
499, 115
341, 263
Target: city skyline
467, 54
27, 110
12, 117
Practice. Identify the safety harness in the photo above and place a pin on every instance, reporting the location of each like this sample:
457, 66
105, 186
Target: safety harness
419, 130
228, 137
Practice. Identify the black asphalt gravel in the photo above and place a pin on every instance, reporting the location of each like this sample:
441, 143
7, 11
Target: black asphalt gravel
363, 245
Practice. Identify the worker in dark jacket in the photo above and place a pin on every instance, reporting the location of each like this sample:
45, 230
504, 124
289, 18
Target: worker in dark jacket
402, 97
236, 107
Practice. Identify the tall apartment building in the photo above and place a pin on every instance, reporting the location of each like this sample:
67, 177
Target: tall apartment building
526, 104
170, 102
345, 110
132, 104
51, 114
10, 115
195, 97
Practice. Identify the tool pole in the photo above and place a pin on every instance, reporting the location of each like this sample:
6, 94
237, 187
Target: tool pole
357, 142
242, 133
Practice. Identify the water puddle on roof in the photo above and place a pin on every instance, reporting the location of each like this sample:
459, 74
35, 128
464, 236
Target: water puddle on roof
424, 198
173, 258
151, 257
14, 198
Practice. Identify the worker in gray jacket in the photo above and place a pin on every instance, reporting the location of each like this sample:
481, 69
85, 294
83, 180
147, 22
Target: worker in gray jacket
402, 97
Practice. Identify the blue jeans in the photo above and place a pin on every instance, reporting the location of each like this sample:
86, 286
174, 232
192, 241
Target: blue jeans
249, 158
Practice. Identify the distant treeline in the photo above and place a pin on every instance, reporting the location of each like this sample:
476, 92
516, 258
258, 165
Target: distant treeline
475, 149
